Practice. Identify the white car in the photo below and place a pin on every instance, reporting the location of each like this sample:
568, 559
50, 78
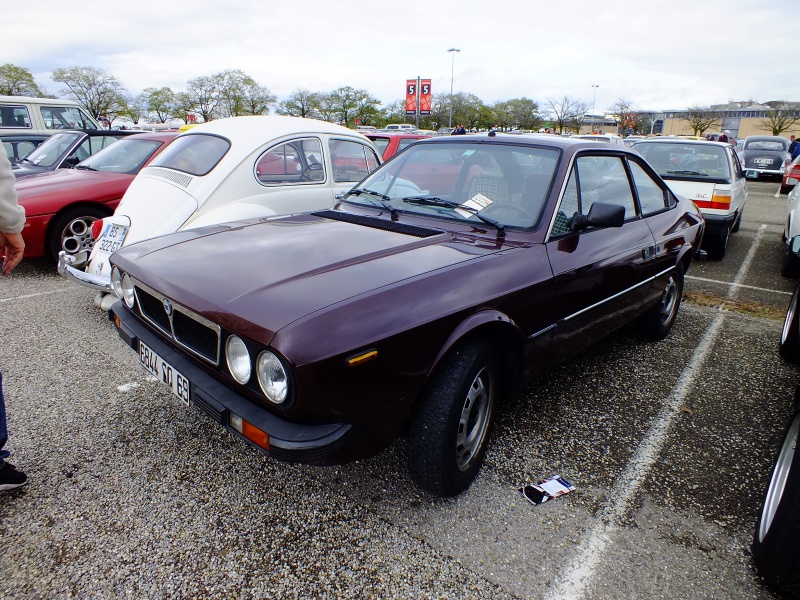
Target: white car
608, 138
228, 170
708, 173
791, 231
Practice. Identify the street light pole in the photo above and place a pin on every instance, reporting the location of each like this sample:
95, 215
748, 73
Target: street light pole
452, 52
594, 99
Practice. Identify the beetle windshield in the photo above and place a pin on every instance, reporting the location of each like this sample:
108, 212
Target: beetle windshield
506, 184
193, 153
48, 153
124, 156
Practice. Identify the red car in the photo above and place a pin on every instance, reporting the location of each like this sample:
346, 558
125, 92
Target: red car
792, 172
62, 205
389, 144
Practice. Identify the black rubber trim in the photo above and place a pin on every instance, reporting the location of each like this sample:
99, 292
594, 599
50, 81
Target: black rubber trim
376, 223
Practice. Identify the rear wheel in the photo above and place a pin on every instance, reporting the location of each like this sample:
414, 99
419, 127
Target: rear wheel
657, 322
791, 264
718, 244
776, 551
785, 189
790, 334
449, 430
71, 231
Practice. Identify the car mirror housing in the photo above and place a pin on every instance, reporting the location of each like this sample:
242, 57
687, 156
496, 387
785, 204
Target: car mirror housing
600, 215
752, 174
794, 244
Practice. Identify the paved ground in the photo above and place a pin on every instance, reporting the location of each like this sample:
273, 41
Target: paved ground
670, 446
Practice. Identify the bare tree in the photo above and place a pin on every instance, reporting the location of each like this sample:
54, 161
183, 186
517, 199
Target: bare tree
203, 92
566, 112
256, 99
97, 90
701, 118
626, 112
159, 102
782, 115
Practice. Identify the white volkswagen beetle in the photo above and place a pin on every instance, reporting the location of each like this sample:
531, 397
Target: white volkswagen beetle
227, 170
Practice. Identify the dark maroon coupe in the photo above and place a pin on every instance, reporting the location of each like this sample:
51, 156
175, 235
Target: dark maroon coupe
416, 304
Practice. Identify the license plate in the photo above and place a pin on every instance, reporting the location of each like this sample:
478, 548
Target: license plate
164, 372
110, 240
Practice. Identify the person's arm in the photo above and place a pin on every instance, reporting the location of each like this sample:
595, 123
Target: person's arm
12, 218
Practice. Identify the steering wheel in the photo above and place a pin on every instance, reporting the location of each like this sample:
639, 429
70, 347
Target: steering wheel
504, 209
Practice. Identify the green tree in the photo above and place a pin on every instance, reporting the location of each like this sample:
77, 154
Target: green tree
701, 118
132, 107
18, 81
160, 102
97, 90
346, 104
300, 103
517, 113
256, 98
203, 95
183, 106
782, 115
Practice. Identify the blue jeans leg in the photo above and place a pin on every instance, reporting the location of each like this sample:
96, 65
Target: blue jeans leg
3, 429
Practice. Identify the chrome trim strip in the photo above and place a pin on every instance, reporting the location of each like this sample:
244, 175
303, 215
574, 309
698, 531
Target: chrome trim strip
618, 294
542, 332
96, 282
183, 310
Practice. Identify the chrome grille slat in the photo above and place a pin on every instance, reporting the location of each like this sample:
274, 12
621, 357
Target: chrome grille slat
186, 328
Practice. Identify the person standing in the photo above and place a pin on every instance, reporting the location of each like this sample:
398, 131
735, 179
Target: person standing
12, 247
792, 144
724, 136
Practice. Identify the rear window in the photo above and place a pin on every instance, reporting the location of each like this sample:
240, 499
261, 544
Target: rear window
15, 117
195, 154
776, 145
685, 160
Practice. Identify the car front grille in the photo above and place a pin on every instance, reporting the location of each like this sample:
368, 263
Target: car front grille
185, 327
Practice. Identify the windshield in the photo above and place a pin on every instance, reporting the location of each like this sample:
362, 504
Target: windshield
193, 153
678, 161
125, 156
48, 152
504, 184
772, 145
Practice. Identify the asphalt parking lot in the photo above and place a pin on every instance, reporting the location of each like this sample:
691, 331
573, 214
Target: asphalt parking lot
669, 444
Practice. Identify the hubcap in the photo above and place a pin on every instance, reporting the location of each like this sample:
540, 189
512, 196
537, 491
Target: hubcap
779, 477
669, 300
473, 423
77, 235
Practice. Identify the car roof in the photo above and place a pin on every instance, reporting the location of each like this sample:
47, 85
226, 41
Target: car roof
161, 136
394, 134
253, 130
571, 144
680, 140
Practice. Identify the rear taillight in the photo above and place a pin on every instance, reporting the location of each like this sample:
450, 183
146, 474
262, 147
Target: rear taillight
720, 200
97, 228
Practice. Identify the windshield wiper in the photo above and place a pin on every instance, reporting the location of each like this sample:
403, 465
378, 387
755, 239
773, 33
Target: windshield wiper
687, 173
86, 167
383, 199
434, 201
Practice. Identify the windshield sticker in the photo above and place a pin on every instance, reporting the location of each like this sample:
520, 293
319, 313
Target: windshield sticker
477, 203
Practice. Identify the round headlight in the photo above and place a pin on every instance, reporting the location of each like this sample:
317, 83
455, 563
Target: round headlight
116, 282
272, 377
238, 359
127, 291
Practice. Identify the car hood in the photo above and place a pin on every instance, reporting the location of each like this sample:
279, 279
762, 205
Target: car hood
293, 267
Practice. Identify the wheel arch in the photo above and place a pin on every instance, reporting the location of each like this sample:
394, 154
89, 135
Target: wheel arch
500, 332
69, 207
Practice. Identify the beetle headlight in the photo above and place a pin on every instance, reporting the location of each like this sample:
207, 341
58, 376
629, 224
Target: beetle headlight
127, 291
272, 377
238, 359
116, 282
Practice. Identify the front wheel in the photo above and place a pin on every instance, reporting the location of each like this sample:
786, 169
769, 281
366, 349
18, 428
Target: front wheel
776, 551
449, 430
657, 322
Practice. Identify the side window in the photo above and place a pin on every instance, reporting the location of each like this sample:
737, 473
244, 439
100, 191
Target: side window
603, 179
298, 161
570, 204
651, 196
15, 116
351, 161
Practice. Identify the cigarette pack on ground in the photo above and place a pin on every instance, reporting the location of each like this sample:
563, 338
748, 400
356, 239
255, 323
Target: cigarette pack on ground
546, 489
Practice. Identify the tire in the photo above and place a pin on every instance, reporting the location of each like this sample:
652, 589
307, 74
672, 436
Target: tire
790, 334
449, 430
73, 227
717, 245
785, 189
791, 264
776, 551
657, 322
738, 223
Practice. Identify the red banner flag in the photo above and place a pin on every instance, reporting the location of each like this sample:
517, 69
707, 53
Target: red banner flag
411, 96
425, 96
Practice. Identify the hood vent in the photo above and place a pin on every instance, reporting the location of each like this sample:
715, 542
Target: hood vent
375, 223
181, 179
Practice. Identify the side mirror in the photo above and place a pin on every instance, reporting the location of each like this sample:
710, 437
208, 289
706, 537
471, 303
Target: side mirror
751, 174
600, 215
71, 161
794, 244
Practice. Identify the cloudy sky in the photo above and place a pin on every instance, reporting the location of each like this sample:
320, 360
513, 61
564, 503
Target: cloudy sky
658, 55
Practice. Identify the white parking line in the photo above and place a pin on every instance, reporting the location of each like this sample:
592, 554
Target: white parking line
56, 291
739, 285
572, 584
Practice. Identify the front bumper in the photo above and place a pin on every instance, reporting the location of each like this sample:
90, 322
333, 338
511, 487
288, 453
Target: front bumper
96, 282
319, 444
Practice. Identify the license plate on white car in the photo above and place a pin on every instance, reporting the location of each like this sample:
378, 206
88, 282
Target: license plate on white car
164, 372
111, 239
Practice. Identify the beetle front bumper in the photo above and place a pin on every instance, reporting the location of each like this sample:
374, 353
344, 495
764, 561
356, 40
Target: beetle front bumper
96, 282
